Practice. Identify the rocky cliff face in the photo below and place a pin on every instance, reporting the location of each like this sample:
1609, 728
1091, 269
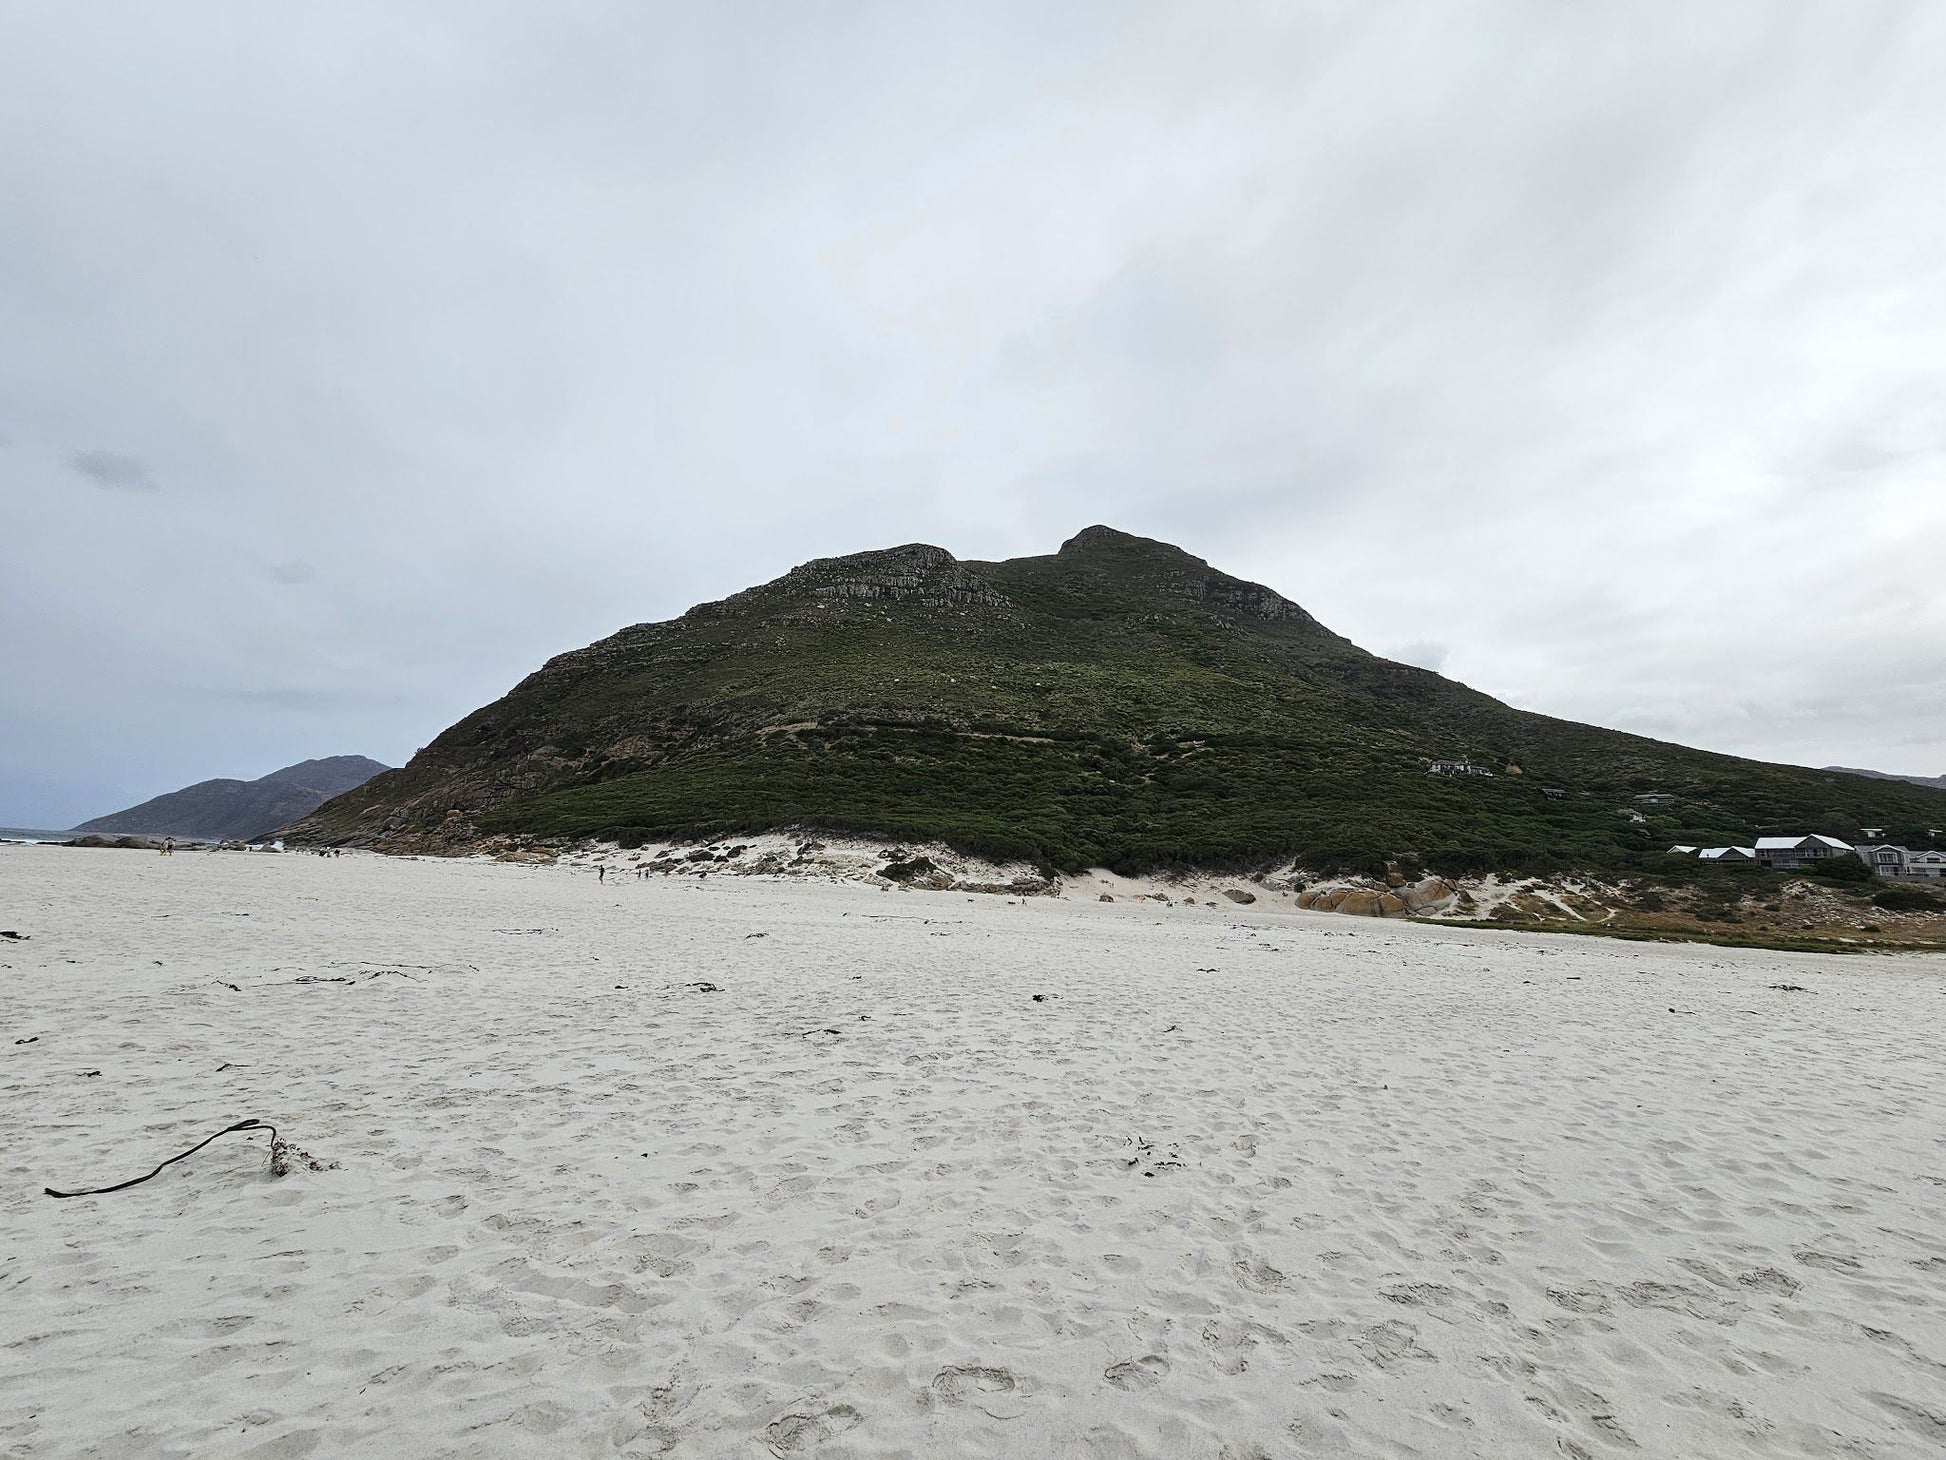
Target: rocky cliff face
916, 573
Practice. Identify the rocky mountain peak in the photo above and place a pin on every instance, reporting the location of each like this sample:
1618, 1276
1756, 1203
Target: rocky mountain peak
915, 572
1104, 539
1178, 573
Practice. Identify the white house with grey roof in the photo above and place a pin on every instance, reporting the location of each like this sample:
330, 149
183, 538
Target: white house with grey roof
1892, 861
1798, 851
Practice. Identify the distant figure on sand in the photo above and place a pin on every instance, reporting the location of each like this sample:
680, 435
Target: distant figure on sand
601, 873
168, 846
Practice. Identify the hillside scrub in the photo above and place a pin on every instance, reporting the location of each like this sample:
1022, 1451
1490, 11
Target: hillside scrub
1909, 899
1119, 703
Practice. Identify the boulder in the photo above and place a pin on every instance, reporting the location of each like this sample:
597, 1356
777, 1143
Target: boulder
1391, 905
1330, 899
920, 872
1395, 879
1359, 904
1237, 894
1428, 893
1106, 897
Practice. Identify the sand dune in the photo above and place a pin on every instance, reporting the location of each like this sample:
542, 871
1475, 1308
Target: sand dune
748, 1168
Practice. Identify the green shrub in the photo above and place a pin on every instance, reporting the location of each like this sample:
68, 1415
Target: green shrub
1908, 899
1843, 869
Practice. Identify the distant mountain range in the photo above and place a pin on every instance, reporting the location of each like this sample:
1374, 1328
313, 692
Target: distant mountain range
1118, 703
1937, 783
226, 810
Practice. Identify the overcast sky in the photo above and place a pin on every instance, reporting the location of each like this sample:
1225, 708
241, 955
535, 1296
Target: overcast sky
354, 358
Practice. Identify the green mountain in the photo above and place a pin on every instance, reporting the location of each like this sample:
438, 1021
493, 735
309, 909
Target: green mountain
1937, 782
228, 810
1118, 703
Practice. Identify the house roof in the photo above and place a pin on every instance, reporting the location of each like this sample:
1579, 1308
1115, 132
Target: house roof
1717, 853
1790, 843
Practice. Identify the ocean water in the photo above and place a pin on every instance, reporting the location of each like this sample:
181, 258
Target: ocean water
31, 834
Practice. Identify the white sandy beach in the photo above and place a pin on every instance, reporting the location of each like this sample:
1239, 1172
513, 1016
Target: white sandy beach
1240, 1183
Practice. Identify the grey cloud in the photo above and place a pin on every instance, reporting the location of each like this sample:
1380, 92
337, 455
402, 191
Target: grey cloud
281, 698
297, 571
1858, 454
113, 470
339, 701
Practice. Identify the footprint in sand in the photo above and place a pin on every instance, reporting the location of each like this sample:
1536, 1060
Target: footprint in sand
1769, 1280
1143, 1373
1390, 1345
797, 1432
1580, 1300
1334, 1383
1829, 1261
1232, 1344
997, 1393
1257, 1275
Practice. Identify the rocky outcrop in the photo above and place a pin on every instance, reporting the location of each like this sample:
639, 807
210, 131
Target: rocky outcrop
1430, 894
1238, 895
917, 573
1398, 900
1019, 887
1221, 591
919, 872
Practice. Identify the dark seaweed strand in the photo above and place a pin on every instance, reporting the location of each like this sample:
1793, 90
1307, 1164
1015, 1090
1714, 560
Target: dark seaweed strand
246, 1125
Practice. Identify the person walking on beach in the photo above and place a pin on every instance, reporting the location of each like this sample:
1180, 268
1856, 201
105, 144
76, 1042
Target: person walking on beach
168, 846
601, 873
